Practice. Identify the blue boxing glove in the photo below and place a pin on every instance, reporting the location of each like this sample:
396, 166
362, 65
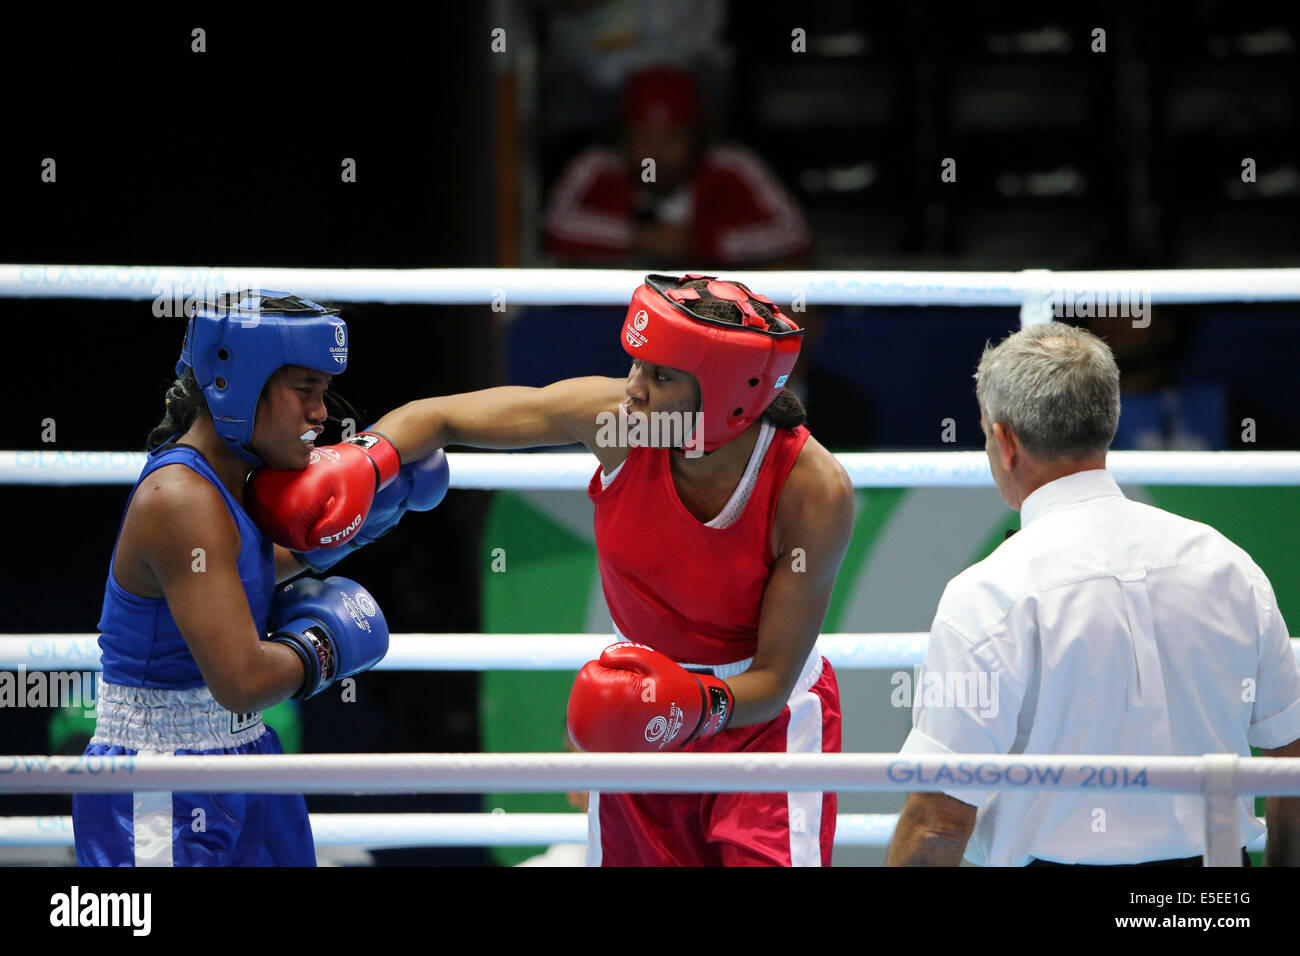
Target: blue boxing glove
419, 486
334, 626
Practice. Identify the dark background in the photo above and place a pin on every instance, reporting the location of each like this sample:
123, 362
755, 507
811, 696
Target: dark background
232, 158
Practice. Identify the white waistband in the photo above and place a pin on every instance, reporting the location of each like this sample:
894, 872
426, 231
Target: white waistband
156, 719
722, 671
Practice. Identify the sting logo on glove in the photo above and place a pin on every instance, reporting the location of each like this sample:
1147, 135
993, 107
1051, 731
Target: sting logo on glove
338, 536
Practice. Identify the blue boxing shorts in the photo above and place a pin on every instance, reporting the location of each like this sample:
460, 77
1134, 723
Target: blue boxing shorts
162, 828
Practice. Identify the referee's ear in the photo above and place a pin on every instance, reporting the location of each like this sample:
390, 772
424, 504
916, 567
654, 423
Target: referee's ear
1009, 448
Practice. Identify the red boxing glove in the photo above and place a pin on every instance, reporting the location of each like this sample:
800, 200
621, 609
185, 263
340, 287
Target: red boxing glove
324, 504
635, 698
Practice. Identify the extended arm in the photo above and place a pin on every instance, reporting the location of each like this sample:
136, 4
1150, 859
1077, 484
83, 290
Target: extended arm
508, 417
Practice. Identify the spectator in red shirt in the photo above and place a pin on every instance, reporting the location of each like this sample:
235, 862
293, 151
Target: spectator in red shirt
707, 204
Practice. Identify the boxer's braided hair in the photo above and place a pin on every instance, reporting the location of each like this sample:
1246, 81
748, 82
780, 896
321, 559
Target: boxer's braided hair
183, 403
786, 410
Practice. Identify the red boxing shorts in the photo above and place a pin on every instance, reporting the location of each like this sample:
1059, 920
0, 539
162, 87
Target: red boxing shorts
732, 829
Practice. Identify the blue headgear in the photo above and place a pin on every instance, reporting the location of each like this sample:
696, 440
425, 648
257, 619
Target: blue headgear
237, 344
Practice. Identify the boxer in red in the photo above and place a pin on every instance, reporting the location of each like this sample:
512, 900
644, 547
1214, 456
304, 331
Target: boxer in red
720, 526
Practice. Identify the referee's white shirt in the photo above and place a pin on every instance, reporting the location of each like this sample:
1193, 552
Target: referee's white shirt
1104, 626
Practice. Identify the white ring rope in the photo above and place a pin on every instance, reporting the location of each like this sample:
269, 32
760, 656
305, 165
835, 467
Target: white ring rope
573, 471
614, 286
668, 773
487, 652
474, 652
649, 773
389, 831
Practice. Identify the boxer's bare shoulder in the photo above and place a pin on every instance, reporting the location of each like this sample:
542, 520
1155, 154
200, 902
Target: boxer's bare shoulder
816, 501
174, 505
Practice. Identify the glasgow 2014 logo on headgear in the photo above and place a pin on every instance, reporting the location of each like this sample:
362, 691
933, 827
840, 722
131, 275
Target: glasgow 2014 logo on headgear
632, 332
341, 353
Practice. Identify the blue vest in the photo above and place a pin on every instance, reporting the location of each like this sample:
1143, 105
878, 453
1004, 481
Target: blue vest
141, 644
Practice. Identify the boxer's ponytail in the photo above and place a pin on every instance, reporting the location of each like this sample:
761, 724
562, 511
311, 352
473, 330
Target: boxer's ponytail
786, 410
183, 403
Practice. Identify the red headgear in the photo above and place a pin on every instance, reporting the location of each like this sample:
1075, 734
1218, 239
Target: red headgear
740, 368
661, 97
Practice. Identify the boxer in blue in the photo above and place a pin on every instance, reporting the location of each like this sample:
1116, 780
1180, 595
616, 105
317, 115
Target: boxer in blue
196, 638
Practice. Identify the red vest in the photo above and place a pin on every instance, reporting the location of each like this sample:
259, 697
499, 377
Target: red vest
689, 591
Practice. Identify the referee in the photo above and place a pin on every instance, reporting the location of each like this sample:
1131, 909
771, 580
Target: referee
1104, 626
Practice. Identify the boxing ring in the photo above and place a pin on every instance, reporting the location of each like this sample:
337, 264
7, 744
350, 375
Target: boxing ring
1219, 778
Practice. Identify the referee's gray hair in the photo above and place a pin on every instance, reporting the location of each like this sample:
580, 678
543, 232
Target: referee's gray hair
1056, 386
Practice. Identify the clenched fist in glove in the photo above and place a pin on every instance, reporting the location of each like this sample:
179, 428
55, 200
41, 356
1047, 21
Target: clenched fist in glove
325, 503
636, 699
419, 486
334, 626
